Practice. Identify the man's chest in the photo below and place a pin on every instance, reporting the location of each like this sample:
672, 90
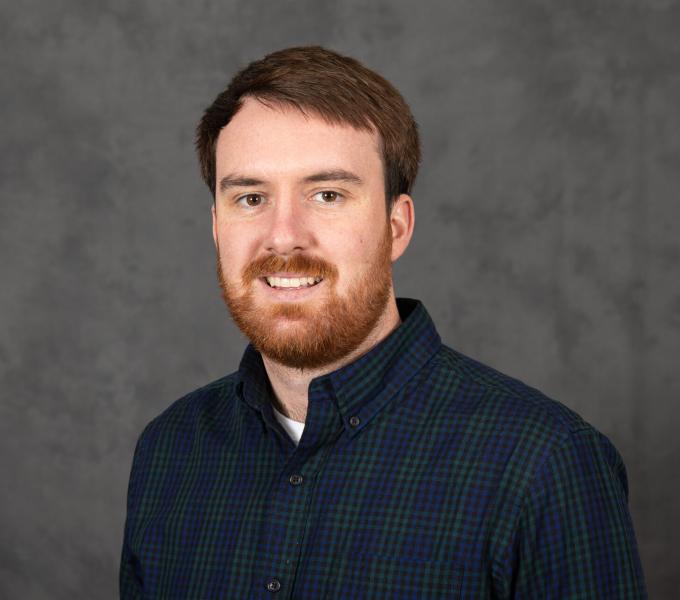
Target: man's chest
375, 516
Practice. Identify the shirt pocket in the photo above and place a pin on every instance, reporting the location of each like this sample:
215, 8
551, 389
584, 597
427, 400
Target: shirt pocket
376, 576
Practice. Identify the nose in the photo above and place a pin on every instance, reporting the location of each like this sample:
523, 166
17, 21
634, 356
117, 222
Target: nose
289, 230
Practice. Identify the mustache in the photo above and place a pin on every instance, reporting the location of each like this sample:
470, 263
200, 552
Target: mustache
307, 266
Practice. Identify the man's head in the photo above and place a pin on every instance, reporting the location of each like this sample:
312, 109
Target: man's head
337, 88
300, 152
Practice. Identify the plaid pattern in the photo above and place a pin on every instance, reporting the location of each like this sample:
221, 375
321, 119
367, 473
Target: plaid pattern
420, 474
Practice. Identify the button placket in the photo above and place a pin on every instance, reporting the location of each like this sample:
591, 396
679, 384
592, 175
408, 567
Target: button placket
291, 507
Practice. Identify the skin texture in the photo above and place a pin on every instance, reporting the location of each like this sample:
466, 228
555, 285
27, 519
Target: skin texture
269, 215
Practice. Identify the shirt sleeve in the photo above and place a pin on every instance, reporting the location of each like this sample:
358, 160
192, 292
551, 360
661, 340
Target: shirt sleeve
575, 536
130, 582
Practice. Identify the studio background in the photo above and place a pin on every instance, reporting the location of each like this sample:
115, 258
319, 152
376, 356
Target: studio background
547, 233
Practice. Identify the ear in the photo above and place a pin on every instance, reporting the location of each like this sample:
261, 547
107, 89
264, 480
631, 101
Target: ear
213, 210
402, 221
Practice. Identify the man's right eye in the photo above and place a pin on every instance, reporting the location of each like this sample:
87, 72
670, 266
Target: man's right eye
251, 200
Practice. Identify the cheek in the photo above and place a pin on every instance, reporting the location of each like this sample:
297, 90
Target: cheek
346, 245
233, 253
244, 238
357, 254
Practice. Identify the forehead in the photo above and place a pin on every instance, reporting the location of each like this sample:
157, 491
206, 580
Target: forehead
282, 140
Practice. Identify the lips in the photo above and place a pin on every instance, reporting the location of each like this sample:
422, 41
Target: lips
289, 272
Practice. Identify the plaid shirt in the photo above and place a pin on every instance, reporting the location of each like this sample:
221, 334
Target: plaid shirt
420, 474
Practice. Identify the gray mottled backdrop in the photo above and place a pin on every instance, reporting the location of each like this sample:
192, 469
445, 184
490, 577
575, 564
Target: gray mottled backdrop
547, 240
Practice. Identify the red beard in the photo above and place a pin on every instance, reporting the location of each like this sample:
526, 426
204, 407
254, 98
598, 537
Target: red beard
325, 333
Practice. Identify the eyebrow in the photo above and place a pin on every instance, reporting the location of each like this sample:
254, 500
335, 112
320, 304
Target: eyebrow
237, 181
334, 175
231, 181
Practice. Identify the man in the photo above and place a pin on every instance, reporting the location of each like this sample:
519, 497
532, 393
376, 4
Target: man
352, 455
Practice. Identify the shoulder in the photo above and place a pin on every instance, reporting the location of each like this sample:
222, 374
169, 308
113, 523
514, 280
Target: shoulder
206, 404
166, 442
533, 427
506, 395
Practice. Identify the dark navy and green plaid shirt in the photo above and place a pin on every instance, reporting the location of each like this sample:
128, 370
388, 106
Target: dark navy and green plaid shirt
420, 474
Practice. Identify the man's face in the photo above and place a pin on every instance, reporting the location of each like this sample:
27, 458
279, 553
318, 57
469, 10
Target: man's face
304, 245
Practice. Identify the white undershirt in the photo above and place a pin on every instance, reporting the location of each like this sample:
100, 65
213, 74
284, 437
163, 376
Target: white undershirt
293, 428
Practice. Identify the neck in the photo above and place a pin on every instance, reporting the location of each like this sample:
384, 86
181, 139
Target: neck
291, 385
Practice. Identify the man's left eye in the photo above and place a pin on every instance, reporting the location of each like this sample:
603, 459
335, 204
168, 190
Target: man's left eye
327, 196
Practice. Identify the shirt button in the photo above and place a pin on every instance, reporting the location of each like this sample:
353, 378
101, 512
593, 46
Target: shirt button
274, 585
354, 421
295, 479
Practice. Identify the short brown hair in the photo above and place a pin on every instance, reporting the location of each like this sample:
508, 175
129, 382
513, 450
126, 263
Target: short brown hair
339, 89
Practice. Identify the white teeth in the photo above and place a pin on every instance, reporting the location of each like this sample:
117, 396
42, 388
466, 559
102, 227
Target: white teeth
292, 282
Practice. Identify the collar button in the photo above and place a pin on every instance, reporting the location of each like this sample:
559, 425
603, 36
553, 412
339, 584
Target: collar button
295, 479
354, 421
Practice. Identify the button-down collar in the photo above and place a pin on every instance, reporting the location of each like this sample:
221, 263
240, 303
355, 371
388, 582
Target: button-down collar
362, 388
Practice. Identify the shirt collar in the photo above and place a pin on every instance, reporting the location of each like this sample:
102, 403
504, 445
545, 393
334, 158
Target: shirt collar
364, 386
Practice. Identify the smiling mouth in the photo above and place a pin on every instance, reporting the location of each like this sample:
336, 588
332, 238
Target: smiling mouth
292, 283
